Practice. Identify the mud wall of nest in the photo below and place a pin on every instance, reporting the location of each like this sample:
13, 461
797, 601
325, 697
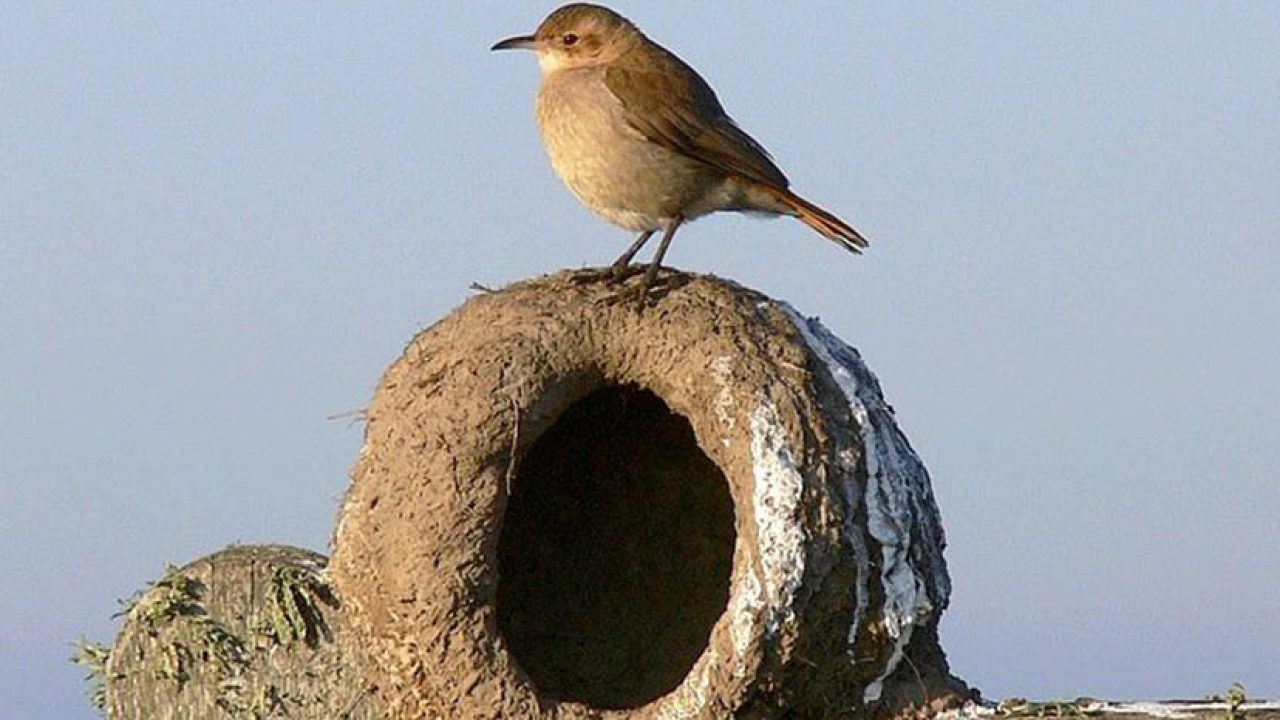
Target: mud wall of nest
568, 507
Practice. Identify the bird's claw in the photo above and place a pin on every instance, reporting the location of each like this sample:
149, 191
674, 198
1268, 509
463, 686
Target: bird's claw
612, 275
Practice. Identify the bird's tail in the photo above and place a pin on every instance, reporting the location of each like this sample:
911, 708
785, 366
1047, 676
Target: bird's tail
828, 225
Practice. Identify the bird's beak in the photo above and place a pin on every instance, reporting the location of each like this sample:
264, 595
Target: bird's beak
520, 42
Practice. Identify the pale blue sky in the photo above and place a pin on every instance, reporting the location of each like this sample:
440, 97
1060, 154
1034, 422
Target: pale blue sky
220, 221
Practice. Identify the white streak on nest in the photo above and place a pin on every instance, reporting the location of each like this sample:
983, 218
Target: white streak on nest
722, 372
848, 468
776, 500
902, 516
746, 604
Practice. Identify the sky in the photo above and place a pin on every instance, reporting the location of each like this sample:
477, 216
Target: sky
219, 222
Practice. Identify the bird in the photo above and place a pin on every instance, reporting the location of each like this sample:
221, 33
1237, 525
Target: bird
642, 139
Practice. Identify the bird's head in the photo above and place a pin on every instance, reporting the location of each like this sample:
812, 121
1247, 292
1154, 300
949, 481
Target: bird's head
577, 35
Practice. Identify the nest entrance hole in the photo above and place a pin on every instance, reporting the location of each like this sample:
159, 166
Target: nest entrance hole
615, 553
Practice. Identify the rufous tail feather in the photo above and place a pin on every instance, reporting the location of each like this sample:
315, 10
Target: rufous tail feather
828, 225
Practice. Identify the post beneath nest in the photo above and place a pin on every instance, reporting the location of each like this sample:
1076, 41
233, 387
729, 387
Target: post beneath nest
249, 631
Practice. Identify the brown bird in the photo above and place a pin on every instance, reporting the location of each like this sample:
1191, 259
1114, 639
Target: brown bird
642, 140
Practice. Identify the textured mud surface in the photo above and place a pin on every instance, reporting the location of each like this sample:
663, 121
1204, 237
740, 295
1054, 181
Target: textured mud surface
566, 507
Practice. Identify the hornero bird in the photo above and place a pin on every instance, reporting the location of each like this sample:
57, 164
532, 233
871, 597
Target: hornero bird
642, 140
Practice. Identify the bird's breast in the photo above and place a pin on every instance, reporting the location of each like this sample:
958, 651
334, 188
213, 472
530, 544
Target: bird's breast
609, 166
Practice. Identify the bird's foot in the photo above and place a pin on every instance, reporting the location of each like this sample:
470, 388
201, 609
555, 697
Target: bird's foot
614, 279
611, 275
642, 294
620, 273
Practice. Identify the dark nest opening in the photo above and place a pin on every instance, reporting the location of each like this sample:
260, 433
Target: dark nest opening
615, 552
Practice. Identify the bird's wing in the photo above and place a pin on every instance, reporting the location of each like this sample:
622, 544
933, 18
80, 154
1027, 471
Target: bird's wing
671, 105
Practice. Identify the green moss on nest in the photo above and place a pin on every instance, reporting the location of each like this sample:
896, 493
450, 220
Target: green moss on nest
293, 611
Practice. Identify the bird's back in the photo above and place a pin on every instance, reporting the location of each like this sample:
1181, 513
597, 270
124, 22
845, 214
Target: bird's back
672, 105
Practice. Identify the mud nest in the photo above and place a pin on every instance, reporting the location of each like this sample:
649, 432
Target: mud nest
252, 631
566, 507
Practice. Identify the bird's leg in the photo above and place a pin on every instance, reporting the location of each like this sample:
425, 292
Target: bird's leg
620, 268
652, 273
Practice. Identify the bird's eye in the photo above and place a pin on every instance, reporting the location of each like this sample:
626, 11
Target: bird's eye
569, 39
